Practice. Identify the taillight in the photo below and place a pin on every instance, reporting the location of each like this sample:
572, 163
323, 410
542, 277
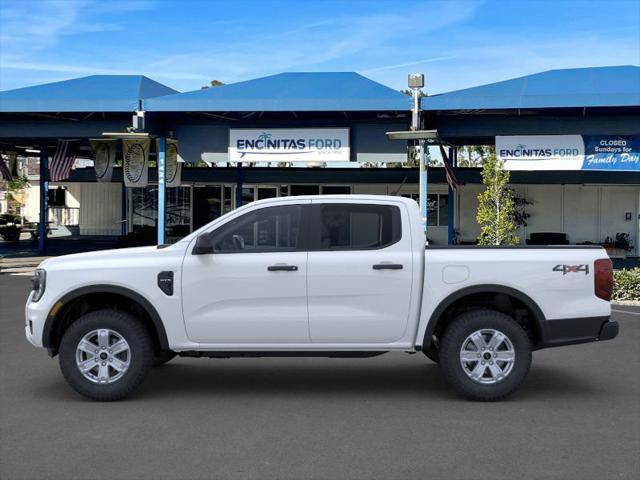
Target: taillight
603, 280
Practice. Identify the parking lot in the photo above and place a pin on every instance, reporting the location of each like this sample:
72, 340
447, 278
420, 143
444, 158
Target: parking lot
577, 416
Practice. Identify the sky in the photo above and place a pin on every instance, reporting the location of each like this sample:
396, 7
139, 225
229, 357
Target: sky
185, 44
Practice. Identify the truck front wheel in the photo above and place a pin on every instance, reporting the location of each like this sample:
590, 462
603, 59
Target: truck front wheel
485, 355
105, 355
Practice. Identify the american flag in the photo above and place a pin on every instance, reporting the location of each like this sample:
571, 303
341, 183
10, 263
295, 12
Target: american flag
5, 172
450, 174
62, 161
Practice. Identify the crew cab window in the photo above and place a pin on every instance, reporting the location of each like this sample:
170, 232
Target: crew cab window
358, 226
271, 229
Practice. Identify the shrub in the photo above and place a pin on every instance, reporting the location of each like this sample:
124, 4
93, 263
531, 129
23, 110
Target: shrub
626, 284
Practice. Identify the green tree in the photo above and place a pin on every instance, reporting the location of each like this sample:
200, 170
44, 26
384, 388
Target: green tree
496, 208
474, 155
213, 83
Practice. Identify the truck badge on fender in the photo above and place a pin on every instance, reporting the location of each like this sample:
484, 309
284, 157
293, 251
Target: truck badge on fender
571, 269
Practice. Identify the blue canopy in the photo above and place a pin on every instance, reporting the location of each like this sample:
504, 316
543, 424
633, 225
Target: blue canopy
576, 87
288, 92
96, 93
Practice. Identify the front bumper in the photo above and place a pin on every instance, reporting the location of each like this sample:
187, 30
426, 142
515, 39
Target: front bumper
570, 331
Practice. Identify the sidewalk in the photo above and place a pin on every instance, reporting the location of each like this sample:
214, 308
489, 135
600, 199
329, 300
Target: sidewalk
20, 265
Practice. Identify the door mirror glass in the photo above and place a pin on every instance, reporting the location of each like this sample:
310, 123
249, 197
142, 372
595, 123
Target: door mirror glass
204, 245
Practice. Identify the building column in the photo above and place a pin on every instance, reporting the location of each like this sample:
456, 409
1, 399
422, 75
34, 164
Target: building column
44, 201
162, 190
239, 181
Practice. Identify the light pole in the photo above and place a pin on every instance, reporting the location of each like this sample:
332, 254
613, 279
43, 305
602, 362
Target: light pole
416, 83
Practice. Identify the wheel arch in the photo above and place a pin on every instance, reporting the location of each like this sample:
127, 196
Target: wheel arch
497, 293
56, 318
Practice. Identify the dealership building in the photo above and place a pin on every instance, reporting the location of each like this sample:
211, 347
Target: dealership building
571, 139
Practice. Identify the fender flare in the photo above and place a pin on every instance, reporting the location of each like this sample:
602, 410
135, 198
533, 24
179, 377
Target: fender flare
538, 316
47, 333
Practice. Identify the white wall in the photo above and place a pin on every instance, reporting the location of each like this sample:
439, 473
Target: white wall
583, 212
615, 202
100, 208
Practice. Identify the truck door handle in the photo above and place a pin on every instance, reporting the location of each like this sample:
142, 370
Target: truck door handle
387, 266
282, 268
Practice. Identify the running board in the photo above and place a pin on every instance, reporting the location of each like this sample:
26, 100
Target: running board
257, 354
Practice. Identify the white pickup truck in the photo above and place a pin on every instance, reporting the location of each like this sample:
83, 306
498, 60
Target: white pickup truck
329, 276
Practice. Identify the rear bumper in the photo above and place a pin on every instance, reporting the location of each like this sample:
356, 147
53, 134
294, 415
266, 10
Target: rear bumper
570, 331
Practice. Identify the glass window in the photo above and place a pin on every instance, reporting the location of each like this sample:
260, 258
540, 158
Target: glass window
358, 227
271, 229
207, 204
57, 197
432, 209
437, 212
143, 207
178, 213
228, 199
443, 211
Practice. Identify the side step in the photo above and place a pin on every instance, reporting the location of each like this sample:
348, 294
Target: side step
257, 354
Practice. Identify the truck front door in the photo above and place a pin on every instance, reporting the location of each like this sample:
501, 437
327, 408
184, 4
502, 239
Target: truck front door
252, 288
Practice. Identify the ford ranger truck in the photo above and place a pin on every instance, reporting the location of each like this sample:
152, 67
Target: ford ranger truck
326, 276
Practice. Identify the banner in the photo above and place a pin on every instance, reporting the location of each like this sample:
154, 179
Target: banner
289, 145
104, 157
611, 152
173, 167
541, 152
135, 153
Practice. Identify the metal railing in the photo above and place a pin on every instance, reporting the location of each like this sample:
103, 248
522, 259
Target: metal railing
64, 215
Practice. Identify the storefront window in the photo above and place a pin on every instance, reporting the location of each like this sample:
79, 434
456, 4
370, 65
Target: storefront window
207, 204
437, 211
144, 212
143, 208
432, 210
178, 219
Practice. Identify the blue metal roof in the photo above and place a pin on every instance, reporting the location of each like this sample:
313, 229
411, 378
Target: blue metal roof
96, 93
288, 92
576, 87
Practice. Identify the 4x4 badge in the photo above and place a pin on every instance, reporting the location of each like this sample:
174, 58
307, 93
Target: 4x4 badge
571, 269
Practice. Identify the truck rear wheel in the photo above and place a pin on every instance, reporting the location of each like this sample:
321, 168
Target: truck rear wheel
485, 355
105, 355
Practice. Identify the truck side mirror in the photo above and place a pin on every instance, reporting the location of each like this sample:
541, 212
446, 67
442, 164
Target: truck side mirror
204, 244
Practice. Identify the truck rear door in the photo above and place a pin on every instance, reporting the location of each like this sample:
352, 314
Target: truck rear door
359, 271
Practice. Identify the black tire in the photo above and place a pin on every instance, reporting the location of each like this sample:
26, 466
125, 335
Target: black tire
163, 357
140, 346
432, 353
452, 342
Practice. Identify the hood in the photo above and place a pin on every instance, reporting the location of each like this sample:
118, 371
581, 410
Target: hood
101, 255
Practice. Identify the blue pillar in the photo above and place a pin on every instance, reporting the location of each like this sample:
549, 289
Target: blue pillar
44, 200
453, 153
162, 190
423, 184
239, 180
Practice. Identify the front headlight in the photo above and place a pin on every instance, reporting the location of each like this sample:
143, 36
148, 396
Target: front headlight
39, 282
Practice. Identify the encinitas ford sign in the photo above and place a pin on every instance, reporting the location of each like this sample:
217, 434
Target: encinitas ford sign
569, 152
289, 145
541, 152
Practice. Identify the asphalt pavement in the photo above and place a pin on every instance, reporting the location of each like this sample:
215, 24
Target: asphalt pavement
577, 416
